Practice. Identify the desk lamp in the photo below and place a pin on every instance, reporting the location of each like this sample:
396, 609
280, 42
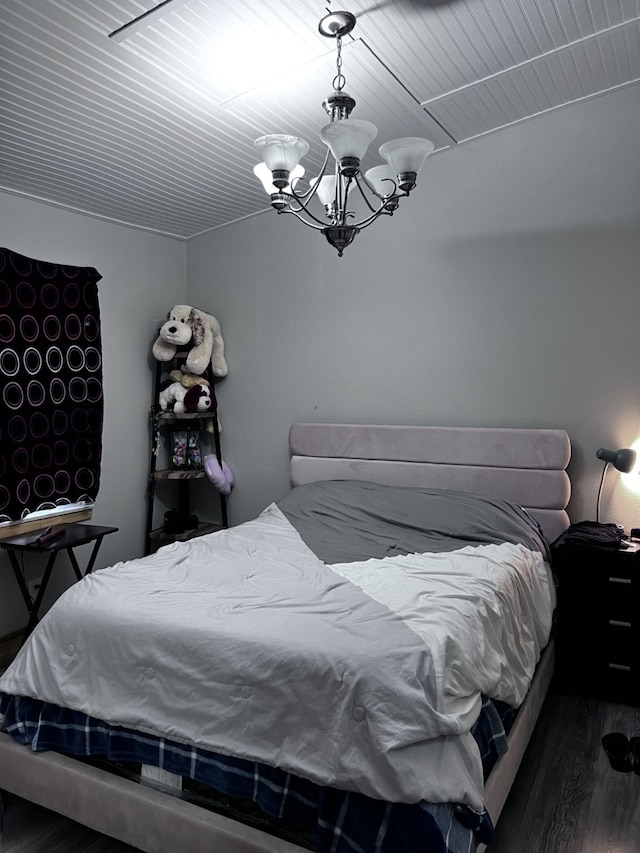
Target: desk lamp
622, 460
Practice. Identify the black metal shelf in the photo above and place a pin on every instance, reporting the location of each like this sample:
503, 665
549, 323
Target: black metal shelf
201, 530
173, 474
161, 423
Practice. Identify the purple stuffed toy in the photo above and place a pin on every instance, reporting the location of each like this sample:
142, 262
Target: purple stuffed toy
221, 476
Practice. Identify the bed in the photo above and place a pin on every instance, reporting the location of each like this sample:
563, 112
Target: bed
347, 714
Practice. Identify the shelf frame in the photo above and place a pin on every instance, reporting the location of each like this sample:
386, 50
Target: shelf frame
160, 420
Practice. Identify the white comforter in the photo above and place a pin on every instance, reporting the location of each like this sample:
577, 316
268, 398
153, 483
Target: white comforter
363, 676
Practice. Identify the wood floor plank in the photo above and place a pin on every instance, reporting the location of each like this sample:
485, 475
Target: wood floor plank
31, 829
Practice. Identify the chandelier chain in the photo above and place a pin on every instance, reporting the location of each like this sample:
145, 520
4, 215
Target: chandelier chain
339, 80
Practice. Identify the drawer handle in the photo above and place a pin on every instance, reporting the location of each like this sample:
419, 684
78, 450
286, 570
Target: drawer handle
619, 580
618, 624
620, 666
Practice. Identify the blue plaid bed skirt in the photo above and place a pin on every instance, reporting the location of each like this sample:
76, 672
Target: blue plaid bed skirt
341, 821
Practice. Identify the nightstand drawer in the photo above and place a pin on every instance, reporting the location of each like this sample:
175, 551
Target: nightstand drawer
621, 643
609, 584
599, 669
621, 590
593, 562
597, 615
622, 681
600, 643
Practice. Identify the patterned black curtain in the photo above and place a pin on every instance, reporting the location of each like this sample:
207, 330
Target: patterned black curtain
51, 404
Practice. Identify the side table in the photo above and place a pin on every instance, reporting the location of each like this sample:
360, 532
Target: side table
74, 535
598, 619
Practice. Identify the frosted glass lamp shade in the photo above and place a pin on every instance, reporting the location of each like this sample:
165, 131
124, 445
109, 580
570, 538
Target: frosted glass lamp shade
326, 191
265, 176
383, 179
348, 138
281, 152
407, 154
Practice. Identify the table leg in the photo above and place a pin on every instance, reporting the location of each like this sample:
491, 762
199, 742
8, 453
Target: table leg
43, 586
92, 559
32, 606
74, 563
20, 579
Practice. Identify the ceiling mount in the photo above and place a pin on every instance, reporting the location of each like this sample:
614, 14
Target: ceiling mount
337, 24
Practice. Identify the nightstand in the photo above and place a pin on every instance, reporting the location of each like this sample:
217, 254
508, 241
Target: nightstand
598, 619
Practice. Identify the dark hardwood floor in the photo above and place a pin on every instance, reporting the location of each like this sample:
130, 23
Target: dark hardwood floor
566, 799
31, 829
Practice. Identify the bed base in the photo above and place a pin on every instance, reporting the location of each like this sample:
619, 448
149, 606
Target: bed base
135, 814
157, 822
506, 767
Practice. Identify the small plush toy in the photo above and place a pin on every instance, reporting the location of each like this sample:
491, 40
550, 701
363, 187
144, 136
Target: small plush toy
197, 398
187, 325
221, 476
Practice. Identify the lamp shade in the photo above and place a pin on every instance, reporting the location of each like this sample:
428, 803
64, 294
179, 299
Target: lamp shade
281, 152
326, 188
622, 460
264, 174
348, 137
407, 154
382, 178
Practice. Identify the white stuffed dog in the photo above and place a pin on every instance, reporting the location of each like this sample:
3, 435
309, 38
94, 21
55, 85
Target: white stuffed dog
186, 325
197, 398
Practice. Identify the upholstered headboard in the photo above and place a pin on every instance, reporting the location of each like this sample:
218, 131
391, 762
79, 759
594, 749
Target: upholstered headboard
524, 466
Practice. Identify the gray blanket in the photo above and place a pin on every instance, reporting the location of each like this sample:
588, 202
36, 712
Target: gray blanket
346, 520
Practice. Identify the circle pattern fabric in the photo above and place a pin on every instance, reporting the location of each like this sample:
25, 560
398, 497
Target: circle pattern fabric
51, 401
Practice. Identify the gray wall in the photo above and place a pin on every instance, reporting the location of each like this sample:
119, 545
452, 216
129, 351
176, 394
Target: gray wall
504, 292
142, 277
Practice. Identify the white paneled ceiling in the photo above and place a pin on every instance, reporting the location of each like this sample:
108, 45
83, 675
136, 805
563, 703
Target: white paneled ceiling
145, 112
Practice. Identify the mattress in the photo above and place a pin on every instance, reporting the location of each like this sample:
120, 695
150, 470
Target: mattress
368, 693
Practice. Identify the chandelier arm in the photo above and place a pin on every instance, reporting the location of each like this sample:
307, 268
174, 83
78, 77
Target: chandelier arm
309, 194
365, 196
296, 213
339, 212
303, 207
389, 195
342, 195
381, 211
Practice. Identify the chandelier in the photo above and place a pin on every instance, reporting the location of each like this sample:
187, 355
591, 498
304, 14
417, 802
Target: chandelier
347, 141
